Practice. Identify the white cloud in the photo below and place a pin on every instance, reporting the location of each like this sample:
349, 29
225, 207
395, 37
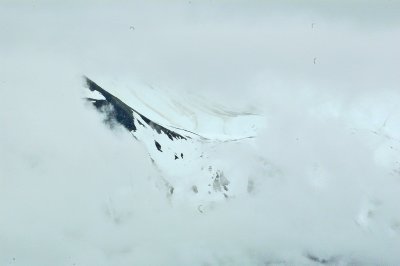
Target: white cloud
73, 192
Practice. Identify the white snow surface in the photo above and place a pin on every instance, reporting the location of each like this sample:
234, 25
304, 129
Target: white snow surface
192, 168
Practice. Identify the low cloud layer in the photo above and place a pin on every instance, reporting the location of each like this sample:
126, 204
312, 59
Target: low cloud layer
325, 166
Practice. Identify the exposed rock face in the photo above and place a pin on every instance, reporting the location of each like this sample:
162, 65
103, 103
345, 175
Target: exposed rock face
125, 115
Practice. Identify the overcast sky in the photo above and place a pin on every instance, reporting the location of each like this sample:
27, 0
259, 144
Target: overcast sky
324, 75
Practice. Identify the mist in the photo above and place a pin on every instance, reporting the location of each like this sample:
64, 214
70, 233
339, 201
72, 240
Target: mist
325, 162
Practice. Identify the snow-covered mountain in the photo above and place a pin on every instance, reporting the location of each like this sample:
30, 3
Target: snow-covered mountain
185, 159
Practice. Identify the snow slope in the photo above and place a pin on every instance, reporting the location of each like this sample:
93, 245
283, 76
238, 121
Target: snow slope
188, 161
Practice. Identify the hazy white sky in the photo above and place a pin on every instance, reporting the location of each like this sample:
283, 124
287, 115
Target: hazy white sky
332, 132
